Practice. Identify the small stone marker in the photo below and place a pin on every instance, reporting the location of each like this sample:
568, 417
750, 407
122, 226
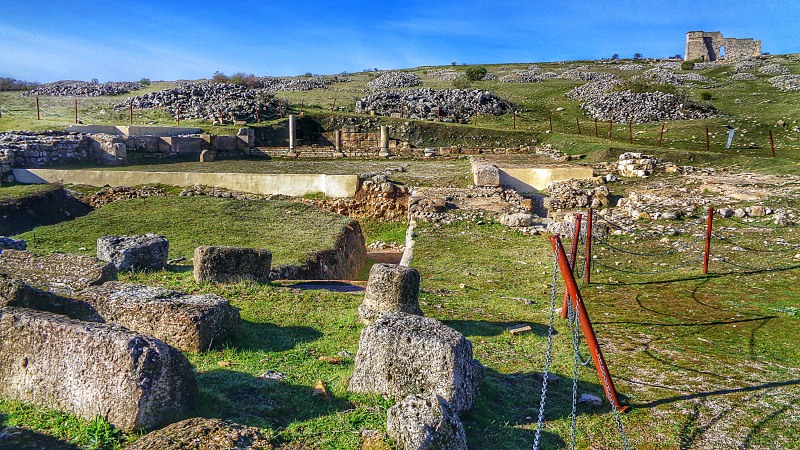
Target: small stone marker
519, 329
231, 264
391, 288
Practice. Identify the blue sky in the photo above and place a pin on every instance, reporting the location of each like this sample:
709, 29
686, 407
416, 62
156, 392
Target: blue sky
168, 40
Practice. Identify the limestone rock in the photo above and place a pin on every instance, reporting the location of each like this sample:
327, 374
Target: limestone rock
203, 434
516, 219
232, 264
485, 174
757, 211
142, 252
591, 400
391, 288
401, 354
636, 164
59, 272
725, 212
18, 294
133, 380
208, 156
191, 323
425, 422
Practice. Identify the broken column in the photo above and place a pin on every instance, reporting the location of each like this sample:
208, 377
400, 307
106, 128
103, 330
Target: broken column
141, 252
337, 141
391, 288
425, 422
292, 136
133, 380
384, 152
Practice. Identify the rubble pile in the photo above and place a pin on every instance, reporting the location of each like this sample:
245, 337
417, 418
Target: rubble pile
522, 76
393, 80
447, 105
69, 88
786, 83
773, 69
273, 84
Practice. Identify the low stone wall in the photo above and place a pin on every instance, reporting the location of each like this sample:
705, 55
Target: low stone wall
343, 262
266, 184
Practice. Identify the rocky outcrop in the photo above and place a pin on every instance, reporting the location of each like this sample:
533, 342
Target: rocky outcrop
191, 323
59, 272
203, 434
133, 380
84, 89
446, 105
401, 354
231, 264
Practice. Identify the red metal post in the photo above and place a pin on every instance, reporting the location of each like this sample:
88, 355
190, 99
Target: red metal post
610, 129
577, 122
588, 256
130, 115
708, 239
551, 124
76, 110
586, 324
630, 130
38, 117
576, 237
596, 132
772, 143
661, 136
708, 141
438, 113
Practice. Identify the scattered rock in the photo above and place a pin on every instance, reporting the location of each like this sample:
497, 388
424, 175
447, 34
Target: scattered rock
591, 400
517, 219
58, 272
232, 264
203, 434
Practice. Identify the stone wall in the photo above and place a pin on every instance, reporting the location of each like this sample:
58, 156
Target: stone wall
707, 46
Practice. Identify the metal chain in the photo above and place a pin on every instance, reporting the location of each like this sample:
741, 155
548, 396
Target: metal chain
633, 231
547, 355
667, 252
682, 266
572, 319
748, 268
790, 247
614, 409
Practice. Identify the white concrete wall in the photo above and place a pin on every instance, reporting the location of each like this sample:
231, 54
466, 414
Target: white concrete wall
133, 130
533, 179
256, 183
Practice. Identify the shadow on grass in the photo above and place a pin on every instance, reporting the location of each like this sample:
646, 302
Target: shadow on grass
471, 328
696, 395
249, 400
506, 411
24, 439
268, 337
697, 277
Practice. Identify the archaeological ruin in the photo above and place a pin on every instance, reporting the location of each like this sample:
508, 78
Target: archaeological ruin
712, 46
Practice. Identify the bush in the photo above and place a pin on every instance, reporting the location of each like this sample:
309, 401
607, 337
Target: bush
687, 65
462, 82
145, 82
706, 96
642, 86
219, 77
11, 84
475, 73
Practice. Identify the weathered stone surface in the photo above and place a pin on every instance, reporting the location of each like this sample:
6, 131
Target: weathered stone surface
516, 219
6, 243
208, 156
133, 380
13, 438
18, 294
142, 252
401, 354
391, 288
231, 264
485, 174
58, 272
202, 434
191, 323
425, 422
636, 164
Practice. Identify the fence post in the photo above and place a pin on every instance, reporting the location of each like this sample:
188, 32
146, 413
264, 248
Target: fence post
661, 136
280, 108
130, 115
772, 143
333, 106
576, 237
38, 117
551, 124
579, 126
630, 130
515, 119
708, 141
708, 239
302, 105
586, 325
610, 129
588, 256
76, 111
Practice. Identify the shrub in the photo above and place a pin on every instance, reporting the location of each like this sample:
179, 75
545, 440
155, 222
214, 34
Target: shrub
641, 86
145, 82
219, 77
687, 65
475, 73
462, 82
706, 96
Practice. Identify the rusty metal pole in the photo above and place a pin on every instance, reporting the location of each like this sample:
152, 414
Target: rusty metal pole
588, 255
586, 325
551, 124
579, 126
708, 239
661, 136
708, 141
596, 132
38, 117
76, 111
576, 237
772, 143
178, 115
630, 130
515, 120
610, 129
130, 113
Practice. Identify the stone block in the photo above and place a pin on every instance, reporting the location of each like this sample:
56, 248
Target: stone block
485, 174
58, 272
141, 252
425, 422
516, 219
191, 323
224, 143
18, 294
185, 145
202, 434
402, 354
232, 264
208, 156
391, 288
133, 380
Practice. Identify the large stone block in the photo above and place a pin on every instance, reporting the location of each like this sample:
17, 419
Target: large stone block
57, 272
425, 422
485, 174
232, 264
89, 369
401, 354
202, 434
191, 323
391, 288
18, 294
142, 252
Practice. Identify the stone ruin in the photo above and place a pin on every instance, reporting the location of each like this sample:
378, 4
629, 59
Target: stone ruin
711, 46
391, 288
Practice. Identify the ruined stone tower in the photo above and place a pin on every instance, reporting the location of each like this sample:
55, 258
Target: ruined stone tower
711, 46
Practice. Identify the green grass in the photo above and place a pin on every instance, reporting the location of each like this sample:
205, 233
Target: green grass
10, 192
290, 230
